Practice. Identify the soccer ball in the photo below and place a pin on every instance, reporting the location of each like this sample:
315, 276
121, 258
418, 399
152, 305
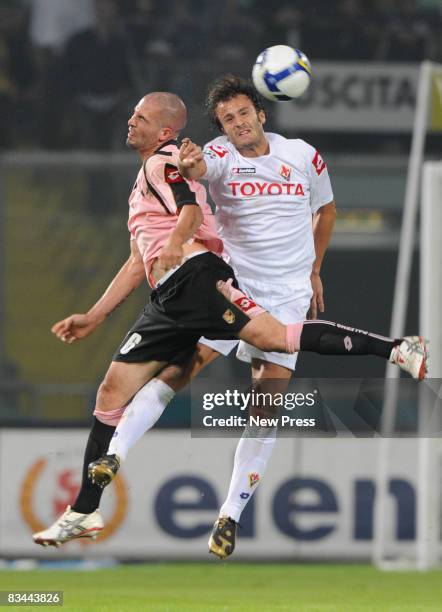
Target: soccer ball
281, 73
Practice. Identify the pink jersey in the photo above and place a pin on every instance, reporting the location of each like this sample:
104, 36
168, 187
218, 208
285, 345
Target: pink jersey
155, 202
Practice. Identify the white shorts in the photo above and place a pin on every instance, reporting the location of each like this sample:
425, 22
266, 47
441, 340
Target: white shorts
288, 303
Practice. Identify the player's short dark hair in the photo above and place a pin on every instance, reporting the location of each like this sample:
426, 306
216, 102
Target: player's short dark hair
225, 88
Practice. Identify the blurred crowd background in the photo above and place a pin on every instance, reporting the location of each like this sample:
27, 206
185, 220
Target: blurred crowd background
70, 70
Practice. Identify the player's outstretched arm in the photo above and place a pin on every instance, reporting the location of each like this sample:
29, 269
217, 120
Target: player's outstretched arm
189, 220
128, 278
191, 160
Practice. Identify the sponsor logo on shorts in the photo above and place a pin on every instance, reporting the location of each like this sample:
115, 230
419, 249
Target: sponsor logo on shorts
348, 343
244, 304
229, 317
243, 170
130, 344
253, 478
285, 172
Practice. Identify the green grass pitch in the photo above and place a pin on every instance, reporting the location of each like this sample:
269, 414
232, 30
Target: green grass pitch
180, 587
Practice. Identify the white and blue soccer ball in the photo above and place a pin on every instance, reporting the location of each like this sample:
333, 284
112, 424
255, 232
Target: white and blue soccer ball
281, 73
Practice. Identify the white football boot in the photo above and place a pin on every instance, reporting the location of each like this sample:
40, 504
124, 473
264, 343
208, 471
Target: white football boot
411, 355
70, 526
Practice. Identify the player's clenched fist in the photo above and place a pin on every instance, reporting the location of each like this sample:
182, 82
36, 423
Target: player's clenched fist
73, 328
190, 153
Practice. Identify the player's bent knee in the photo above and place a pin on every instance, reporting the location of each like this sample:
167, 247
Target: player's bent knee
107, 395
175, 376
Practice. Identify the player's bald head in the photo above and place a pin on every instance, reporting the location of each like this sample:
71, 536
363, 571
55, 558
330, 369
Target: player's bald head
169, 109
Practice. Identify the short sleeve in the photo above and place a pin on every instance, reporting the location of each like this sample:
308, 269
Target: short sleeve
321, 192
217, 158
167, 185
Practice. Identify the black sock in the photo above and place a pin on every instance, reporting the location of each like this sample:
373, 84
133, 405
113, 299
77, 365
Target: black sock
89, 496
335, 339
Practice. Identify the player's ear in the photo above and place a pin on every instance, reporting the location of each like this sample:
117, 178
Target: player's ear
166, 134
261, 117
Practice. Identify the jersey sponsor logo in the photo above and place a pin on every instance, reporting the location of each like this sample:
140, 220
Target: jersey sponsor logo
244, 304
253, 478
244, 495
229, 317
265, 189
285, 172
319, 164
243, 170
217, 150
172, 175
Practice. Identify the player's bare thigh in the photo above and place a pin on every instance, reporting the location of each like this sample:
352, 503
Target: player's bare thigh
178, 376
262, 331
122, 381
265, 332
262, 370
271, 378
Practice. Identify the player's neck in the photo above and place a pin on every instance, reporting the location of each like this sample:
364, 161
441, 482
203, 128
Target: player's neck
147, 152
256, 149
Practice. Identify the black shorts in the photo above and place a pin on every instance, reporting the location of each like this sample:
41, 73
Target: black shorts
181, 310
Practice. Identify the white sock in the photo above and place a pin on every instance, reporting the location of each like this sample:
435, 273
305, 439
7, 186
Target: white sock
251, 458
140, 415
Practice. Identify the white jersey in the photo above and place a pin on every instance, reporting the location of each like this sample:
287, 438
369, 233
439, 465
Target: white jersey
265, 206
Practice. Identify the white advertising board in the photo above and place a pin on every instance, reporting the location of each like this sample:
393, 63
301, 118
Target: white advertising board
354, 97
316, 501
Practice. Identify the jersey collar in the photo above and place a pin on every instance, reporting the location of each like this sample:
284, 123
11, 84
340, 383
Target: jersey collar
166, 144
